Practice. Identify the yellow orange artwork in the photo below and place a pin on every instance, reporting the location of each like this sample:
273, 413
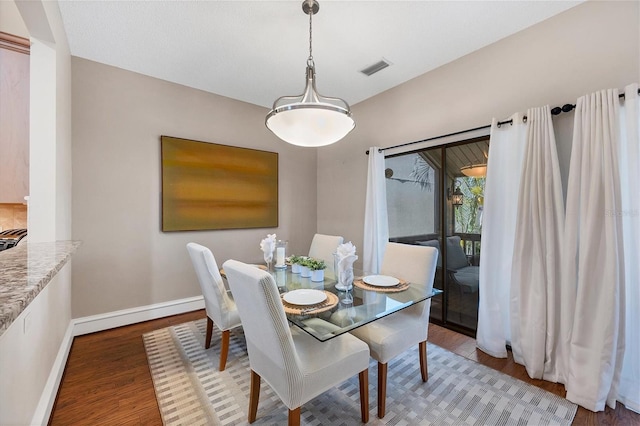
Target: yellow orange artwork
212, 186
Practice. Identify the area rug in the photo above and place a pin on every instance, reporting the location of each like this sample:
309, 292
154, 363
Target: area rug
191, 391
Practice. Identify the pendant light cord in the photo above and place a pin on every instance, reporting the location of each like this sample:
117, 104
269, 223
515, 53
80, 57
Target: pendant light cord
310, 35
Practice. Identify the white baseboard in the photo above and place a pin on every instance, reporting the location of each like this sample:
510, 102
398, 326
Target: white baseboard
50, 391
630, 404
115, 319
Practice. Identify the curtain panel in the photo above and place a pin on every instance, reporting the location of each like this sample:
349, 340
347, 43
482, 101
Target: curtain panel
535, 291
629, 390
376, 224
593, 254
504, 169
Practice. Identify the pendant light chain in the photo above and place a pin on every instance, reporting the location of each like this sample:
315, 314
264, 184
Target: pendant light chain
310, 35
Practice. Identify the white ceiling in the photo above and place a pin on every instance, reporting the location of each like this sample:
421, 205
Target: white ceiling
256, 51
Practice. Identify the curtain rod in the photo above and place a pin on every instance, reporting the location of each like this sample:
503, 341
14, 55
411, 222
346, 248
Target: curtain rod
554, 111
433, 138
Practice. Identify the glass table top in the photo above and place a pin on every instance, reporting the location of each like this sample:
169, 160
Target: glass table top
343, 311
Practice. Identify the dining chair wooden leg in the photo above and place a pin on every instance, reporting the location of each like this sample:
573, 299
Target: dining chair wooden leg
224, 350
207, 339
254, 395
294, 417
424, 368
363, 378
382, 389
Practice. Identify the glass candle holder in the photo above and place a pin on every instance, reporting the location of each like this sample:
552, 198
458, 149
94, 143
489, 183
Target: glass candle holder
281, 254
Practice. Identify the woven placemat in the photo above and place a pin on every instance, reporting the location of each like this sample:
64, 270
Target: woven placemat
402, 286
328, 303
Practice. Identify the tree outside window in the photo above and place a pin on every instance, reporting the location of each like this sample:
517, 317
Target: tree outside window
468, 216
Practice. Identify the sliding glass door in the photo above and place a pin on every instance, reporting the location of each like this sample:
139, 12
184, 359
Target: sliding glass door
435, 198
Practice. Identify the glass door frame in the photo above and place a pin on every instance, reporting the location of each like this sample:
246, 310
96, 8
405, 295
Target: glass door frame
440, 217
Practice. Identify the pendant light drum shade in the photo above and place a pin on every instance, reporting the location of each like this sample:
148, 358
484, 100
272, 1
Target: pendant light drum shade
310, 120
476, 170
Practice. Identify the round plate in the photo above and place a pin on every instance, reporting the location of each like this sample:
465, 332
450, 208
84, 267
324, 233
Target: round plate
304, 297
381, 280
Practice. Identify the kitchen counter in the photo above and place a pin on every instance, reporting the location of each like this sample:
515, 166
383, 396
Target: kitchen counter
25, 270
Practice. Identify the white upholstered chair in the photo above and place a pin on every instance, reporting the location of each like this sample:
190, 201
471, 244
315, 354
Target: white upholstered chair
220, 307
322, 247
394, 334
297, 366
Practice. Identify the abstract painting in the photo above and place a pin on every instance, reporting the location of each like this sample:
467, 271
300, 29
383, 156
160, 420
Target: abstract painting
211, 186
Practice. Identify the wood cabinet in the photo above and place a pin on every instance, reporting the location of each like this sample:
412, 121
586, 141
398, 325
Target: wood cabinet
14, 118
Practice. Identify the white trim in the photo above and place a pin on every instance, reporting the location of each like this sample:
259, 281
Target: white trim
115, 319
50, 391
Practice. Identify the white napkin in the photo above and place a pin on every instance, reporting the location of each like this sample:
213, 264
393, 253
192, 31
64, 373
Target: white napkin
346, 257
268, 245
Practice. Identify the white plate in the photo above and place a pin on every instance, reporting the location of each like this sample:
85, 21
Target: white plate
381, 280
304, 297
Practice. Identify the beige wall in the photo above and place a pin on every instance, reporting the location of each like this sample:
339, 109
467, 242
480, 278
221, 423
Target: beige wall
590, 47
10, 19
118, 117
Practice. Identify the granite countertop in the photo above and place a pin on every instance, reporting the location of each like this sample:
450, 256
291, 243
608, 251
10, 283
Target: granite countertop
25, 270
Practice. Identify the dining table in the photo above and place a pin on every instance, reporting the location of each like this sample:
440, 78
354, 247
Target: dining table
325, 312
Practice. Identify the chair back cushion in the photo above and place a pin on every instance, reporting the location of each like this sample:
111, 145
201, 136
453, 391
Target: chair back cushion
389, 336
456, 258
412, 263
269, 343
217, 303
323, 247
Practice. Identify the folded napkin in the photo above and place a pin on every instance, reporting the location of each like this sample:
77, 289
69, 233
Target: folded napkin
346, 254
346, 249
268, 246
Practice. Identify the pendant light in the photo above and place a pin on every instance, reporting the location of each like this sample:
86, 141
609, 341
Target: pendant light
310, 119
475, 170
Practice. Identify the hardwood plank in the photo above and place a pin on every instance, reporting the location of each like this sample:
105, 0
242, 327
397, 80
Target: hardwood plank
107, 379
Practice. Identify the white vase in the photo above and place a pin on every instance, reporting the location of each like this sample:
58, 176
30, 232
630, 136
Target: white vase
305, 272
317, 276
345, 279
295, 268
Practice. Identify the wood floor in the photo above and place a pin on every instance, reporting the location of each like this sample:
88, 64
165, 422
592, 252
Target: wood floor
107, 379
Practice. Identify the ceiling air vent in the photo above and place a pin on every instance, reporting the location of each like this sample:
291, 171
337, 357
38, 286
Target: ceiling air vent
378, 66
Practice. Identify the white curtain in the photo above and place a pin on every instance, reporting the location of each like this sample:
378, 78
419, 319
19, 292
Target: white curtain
629, 390
376, 225
568, 301
504, 168
593, 254
535, 274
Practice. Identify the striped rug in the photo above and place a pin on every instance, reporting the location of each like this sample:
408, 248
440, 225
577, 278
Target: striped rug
191, 391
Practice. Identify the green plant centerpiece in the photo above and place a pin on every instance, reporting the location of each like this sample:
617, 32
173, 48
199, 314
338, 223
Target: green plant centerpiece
316, 269
315, 264
296, 263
